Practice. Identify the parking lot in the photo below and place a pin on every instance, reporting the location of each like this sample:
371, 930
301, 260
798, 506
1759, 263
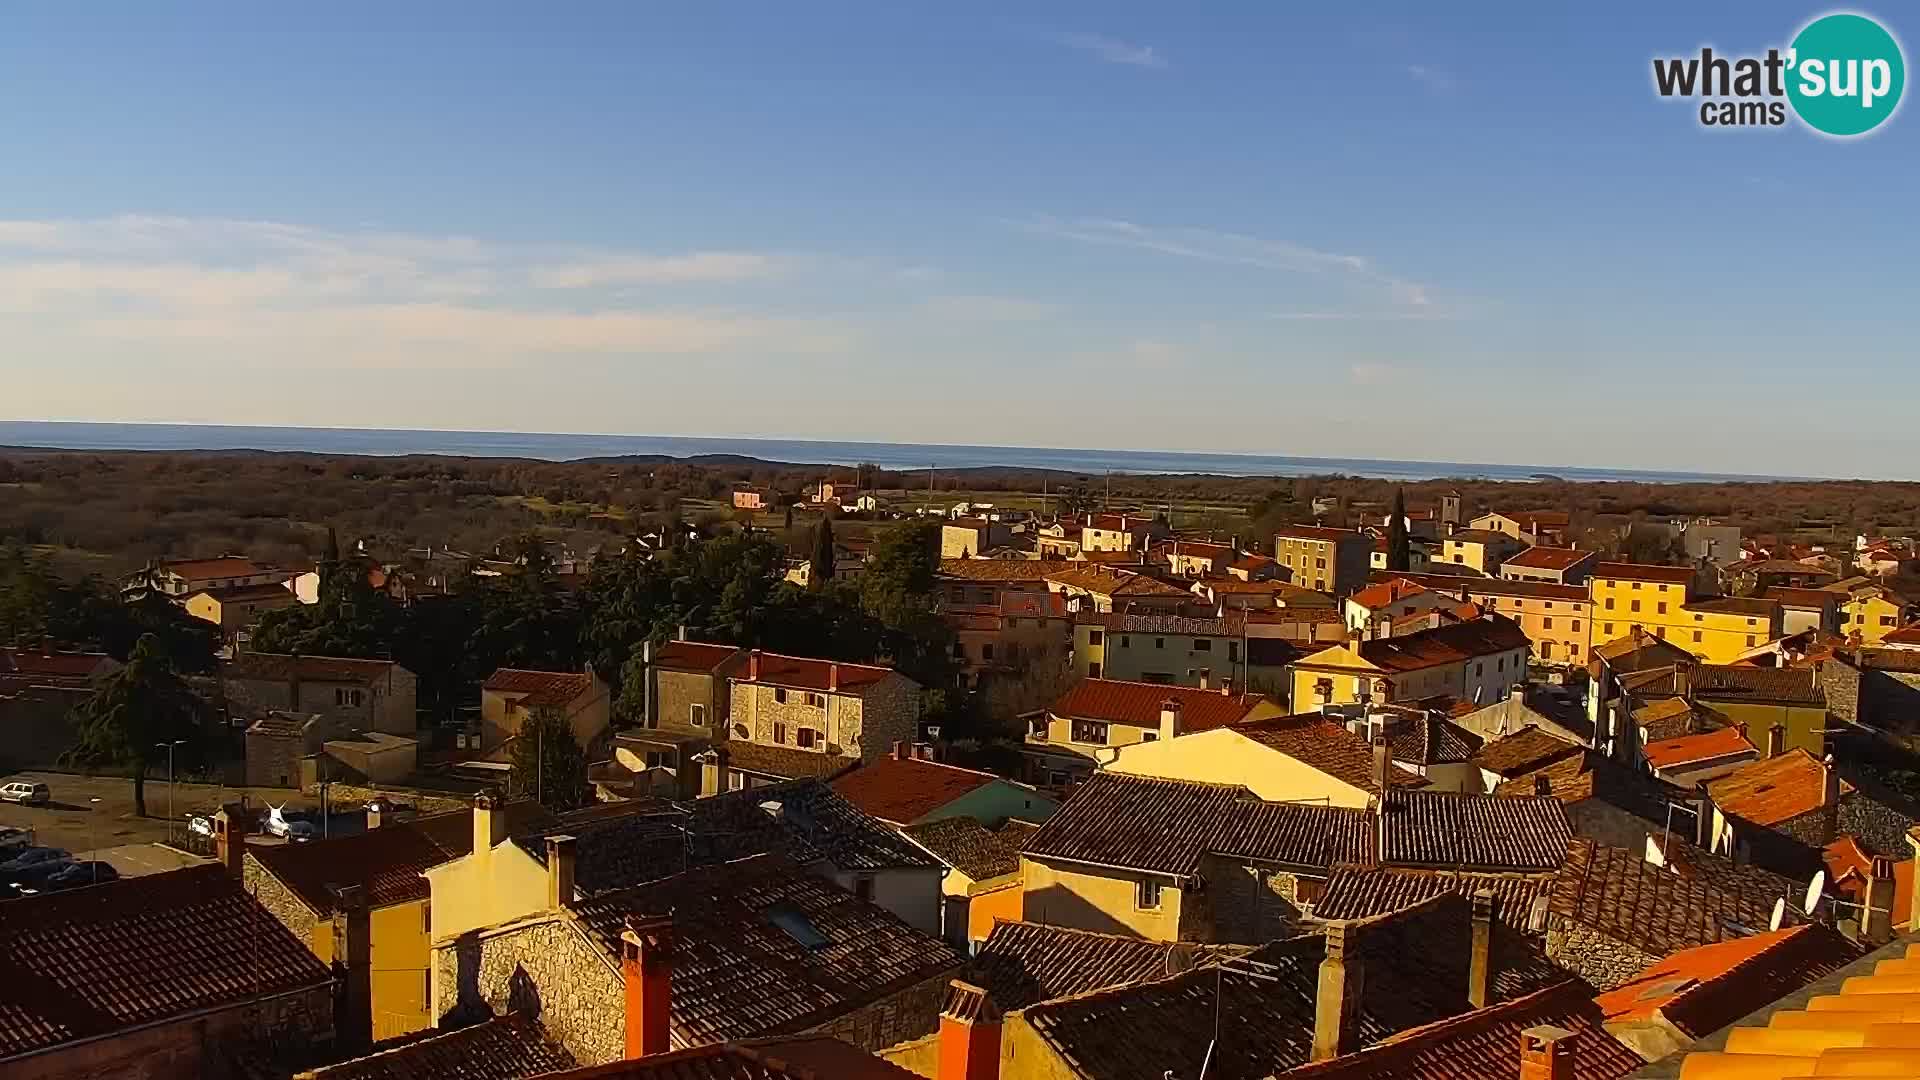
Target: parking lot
95, 813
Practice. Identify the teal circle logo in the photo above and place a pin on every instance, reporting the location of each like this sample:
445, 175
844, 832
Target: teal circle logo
1845, 74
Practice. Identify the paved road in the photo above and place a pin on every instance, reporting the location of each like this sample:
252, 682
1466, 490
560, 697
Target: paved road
97, 811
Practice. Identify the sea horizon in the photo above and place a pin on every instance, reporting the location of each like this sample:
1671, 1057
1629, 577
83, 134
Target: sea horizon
548, 446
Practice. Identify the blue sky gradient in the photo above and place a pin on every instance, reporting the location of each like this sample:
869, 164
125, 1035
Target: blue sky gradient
1380, 230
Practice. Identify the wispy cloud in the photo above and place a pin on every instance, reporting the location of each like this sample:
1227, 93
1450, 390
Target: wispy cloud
1369, 373
1112, 50
258, 290
984, 308
1435, 79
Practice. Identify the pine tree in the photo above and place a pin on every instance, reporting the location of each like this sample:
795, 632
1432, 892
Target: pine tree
134, 712
1399, 551
548, 763
821, 570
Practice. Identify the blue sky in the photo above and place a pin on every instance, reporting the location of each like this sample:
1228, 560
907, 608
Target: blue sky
1383, 230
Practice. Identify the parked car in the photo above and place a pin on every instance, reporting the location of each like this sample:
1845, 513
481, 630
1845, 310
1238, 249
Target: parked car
200, 825
32, 868
25, 791
290, 828
75, 874
14, 841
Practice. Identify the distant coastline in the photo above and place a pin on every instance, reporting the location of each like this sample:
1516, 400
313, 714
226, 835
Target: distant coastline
380, 442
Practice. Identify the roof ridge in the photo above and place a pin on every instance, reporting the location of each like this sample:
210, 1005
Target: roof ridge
1115, 988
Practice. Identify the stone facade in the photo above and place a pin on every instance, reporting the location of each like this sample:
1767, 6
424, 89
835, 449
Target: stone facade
423, 802
863, 726
288, 1030
909, 1014
1604, 961
384, 704
280, 901
546, 967
1604, 823
675, 693
273, 758
1247, 903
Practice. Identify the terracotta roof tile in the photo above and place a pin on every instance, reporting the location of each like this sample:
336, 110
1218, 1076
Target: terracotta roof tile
1523, 751
803, 1058
1003, 569
280, 667
1428, 740
1443, 645
1486, 586
1786, 596
1139, 703
539, 688
1669, 753
805, 673
1363, 892
693, 656
1703, 989
1022, 963
973, 849
1314, 740
1314, 532
69, 665
1463, 830
1773, 790
1619, 894
785, 762
89, 962
1110, 582
739, 973
1625, 571
1381, 593
388, 860
226, 566
505, 1048
1542, 557
904, 791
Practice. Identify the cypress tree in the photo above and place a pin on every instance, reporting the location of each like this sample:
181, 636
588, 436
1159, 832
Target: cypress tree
1399, 551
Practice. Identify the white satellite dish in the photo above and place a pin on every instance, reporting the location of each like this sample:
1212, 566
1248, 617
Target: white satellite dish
1779, 914
1815, 889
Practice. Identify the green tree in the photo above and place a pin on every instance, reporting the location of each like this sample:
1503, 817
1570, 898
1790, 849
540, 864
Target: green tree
1399, 551
134, 712
547, 763
820, 570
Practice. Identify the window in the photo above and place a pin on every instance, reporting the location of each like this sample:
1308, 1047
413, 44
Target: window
1093, 670
780, 734
1233, 652
1661, 607
1549, 605
1660, 632
1609, 603
736, 781
797, 926
1607, 629
863, 887
1576, 626
1090, 731
1636, 605
1149, 736
1663, 588
343, 696
805, 737
1126, 642
1546, 622
697, 715
1479, 669
1146, 895
1749, 641
658, 759
1636, 584
1203, 645
1457, 557
1319, 564
986, 651
780, 695
1697, 617
1096, 636
1159, 643
1546, 650
1697, 635
1885, 620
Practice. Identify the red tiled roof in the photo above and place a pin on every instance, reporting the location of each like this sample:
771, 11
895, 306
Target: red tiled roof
1905, 635
388, 860
805, 673
281, 667
1773, 790
1800, 598
1139, 703
800, 1058
226, 566
692, 655
89, 962
1382, 593
1667, 753
1003, 569
1541, 557
1672, 575
1524, 751
1703, 989
1313, 740
904, 791
1848, 866
1441, 645
1315, 532
1108, 582
65, 665
504, 1048
539, 687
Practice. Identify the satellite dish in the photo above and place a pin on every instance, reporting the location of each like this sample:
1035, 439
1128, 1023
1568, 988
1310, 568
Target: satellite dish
1779, 914
1815, 889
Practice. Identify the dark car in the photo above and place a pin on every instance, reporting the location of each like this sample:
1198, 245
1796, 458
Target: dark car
35, 867
74, 875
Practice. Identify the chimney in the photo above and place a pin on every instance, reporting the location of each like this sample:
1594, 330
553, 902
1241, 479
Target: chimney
373, 814
646, 967
1382, 766
561, 854
1169, 719
1830, 789
833, 678
969, 1044
1205, 681
1337, 996
489, 822
1546, 1053
1480, 966
230, 836
901, 751
354, 1024
1776, 740
1683, 681
1878, 917
680, 632
753, 666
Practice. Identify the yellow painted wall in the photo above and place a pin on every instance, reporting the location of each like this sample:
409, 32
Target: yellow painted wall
1722, 637
1228, 757
401, 958
471, 892
1805, 724
1026, 1055
1561, 630
1006, 902
1130, 656
204, 607
1087, 899
1873, 617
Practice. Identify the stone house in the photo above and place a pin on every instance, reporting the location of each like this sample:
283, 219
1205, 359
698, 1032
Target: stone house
174, 976
511, 695
607, 971
238, 608
360, 695
277, 742
38, 692
853, 711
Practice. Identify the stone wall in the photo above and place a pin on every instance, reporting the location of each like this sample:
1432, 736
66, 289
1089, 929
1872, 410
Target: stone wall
919, 1056
280, 901
286, 1032
1247, 904
1840, 681
1604, 961
274, 760
676, 692
547, 968
892, 715
1605, 823
423, 802
894, 1019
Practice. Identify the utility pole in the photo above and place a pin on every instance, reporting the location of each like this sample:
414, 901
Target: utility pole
168, 746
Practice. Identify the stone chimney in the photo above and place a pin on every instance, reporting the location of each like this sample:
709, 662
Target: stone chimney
489, 822
1877, 919
1480, 965
230, 836
1170, 719
1776, 740
833, 678
646, 968
753, 666
561, 854
1382, 767
1337, 996
969, 1042
353, 1026
1546, 1053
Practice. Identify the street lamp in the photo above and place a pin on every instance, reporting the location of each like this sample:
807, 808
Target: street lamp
168, 747
93, 852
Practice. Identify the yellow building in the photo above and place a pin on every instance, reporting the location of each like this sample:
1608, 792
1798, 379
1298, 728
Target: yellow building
1557, 619
1870, 610
238, 607
296, 883
1478, 660
1166, 649
982, 884
1065, 741
1660, 601
1722, 630
1480, 549
1308, 759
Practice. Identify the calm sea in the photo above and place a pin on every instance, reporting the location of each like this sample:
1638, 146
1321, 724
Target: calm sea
78, 436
